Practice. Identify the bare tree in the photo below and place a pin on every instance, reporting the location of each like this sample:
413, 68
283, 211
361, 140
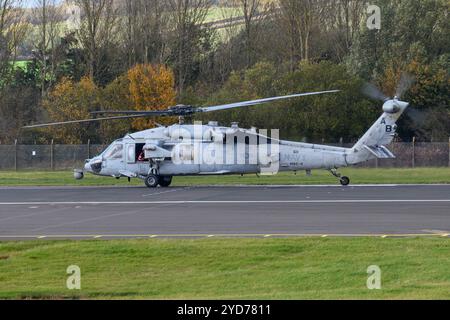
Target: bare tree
250, 10
17, 101
298, 17
145, 29
47, 14
12, 32
289, 26
335, 24
231, 31
187, 17
156, 26
342, 20
97, 30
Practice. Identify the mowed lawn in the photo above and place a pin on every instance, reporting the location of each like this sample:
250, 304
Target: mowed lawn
357, 176
301, 268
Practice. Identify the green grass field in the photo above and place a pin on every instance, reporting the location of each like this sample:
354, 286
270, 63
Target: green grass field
304, 268
357, 176
216, 13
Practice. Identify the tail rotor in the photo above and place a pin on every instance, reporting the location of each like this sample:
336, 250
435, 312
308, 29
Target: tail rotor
406, 82
393, 105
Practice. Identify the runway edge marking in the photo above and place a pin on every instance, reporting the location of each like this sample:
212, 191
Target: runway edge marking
227, 202
219, 236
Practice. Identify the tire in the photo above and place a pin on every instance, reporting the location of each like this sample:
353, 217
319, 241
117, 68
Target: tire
151, 181
165, 181
345, 181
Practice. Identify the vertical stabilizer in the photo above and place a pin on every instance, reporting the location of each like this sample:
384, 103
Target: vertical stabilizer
372, 144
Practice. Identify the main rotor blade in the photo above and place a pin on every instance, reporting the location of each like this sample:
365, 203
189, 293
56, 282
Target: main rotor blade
133, 112
84, 121
406, 81
373, 92
177, 110
260, 101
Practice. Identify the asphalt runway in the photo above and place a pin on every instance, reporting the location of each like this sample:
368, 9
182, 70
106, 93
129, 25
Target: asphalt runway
123, 212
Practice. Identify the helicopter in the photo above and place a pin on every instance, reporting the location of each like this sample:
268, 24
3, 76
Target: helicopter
158, 154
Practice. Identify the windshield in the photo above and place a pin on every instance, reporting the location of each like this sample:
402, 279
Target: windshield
115, 151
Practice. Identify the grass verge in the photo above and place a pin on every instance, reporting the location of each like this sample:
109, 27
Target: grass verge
357, 176
306, 268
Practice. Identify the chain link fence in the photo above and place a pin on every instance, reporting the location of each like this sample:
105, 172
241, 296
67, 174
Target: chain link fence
412, 155
46, 157
63, 157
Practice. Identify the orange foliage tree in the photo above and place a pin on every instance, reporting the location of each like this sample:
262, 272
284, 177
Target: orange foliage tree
151, 87
115, 96
72, 101
144, 87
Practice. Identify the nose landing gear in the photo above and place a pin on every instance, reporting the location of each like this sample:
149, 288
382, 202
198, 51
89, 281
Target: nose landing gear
345, 181
151, 181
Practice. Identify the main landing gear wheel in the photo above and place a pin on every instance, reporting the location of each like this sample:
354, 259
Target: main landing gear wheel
152, 181
345, 181
165, 181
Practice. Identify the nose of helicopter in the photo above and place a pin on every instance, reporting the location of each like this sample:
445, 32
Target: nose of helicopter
93, 165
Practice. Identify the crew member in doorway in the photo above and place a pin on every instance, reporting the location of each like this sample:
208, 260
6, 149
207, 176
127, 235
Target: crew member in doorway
141, 156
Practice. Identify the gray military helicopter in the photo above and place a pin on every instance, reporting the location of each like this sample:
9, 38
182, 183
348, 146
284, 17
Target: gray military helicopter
158, 154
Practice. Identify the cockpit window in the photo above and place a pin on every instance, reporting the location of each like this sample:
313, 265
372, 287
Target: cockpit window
114, 152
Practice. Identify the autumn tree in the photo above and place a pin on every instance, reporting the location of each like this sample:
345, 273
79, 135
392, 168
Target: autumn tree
151, 87
72, 101
115, 96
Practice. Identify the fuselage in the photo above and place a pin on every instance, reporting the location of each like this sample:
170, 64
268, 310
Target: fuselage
211, 150
214, 150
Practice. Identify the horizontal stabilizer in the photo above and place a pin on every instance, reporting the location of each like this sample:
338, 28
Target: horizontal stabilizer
381, 152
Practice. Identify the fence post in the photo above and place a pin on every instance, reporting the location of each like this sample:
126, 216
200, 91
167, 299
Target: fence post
52, 166
449, 151
414, 152
89, 149
15, 155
